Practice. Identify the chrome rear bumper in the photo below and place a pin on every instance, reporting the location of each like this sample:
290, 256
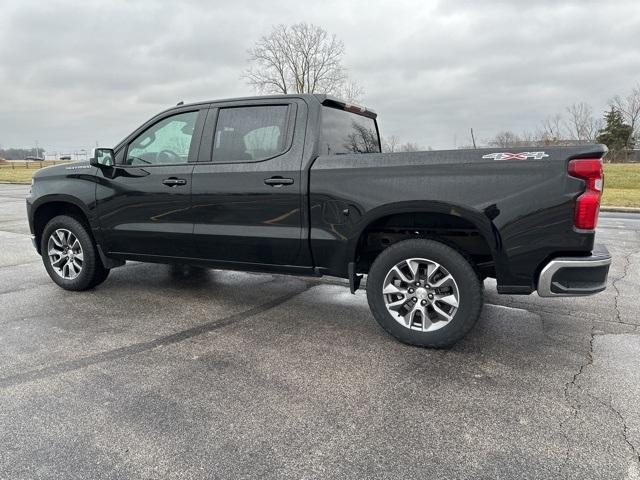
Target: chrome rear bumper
575, 276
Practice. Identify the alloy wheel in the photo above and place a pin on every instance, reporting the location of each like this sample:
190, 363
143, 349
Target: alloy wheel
65, 254
421, 294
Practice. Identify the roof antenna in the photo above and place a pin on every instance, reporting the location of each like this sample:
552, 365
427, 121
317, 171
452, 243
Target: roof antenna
181, 102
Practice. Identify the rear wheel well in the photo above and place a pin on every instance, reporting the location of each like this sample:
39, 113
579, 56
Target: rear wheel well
46, 212
458, 233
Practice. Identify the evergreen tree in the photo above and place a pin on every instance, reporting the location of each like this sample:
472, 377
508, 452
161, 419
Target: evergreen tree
616, 135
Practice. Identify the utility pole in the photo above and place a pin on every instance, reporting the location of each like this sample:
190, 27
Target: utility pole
473, 139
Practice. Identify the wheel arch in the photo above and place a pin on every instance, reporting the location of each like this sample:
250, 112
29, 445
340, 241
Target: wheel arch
423, 215
53, 205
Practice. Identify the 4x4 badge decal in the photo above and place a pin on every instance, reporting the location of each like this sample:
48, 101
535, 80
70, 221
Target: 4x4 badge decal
516, 156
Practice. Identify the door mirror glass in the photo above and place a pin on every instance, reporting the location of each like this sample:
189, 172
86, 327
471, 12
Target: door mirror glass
103, 157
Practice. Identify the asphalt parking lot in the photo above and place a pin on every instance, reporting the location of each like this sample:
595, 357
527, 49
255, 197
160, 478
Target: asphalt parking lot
186, 373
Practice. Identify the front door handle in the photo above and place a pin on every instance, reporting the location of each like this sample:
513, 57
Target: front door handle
174, 182
278, 181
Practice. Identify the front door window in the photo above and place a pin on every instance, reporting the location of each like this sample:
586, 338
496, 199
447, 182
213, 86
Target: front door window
165, 143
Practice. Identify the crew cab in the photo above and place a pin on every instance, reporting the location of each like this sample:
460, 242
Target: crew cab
297, 184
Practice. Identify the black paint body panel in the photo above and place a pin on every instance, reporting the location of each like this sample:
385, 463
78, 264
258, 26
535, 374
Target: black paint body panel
522, 208
138, 214
237, 217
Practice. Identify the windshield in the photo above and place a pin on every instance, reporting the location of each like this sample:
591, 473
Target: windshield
346, 132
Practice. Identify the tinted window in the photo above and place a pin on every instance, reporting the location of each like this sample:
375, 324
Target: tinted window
345, 132
166, 142
250, 133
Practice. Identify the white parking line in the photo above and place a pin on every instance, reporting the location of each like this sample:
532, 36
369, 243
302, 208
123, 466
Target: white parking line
508, 308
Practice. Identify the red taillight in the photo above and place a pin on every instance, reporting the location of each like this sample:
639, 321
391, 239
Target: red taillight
587, 204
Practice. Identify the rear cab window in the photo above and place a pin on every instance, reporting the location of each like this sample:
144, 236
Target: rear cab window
344, 132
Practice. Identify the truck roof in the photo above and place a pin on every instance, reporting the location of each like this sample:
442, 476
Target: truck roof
321, 98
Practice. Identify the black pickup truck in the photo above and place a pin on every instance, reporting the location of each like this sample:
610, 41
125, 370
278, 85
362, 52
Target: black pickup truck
297, 184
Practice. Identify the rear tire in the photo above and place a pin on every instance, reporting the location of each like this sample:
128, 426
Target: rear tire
432, 298
70, 256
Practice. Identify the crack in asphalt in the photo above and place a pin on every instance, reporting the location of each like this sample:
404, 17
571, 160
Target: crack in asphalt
625, 431
575, 408
77, 364
532, 308
614, 284
567, 394
577, 315
573, 383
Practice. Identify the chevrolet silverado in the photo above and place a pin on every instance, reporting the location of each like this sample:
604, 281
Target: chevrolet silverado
297, 184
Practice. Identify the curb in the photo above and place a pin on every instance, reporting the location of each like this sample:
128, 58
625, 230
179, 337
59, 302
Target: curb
620, 209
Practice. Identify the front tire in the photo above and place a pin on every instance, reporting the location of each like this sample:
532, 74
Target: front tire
424, 293
69, 255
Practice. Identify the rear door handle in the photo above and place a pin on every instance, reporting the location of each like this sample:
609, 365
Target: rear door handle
174, 182
278, 181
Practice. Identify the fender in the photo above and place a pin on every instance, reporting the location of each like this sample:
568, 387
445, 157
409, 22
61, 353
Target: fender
482, 220
88, 209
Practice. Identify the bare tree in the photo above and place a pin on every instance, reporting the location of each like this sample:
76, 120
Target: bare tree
362, 140
581, 124
576, 126
301, 58
505, 139
527, 138
629, 106
349, 91
390, 144
552, 130
410, 147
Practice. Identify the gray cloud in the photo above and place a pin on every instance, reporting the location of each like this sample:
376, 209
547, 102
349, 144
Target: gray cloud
76, 72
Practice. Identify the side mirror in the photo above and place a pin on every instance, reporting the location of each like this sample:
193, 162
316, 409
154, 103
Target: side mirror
103, 157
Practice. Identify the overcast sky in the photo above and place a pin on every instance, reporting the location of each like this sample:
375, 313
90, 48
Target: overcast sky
76, 72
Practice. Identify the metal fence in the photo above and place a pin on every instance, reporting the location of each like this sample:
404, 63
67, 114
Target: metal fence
35, 165
623, 156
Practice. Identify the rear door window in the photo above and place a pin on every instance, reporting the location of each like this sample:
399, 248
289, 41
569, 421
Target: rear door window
249, 134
